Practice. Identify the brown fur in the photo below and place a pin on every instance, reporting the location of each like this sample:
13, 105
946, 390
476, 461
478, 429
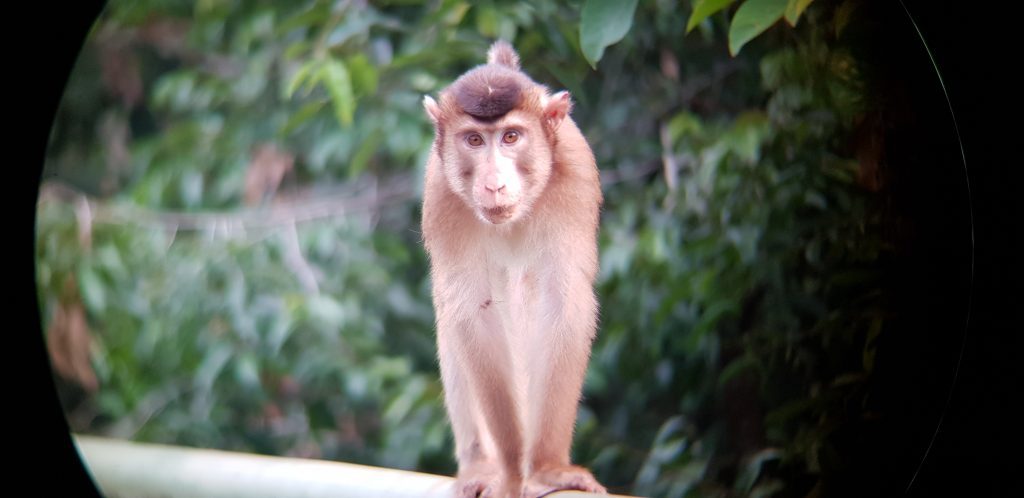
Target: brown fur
511, 231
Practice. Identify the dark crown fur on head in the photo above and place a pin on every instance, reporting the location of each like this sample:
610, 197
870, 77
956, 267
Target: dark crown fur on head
490, 91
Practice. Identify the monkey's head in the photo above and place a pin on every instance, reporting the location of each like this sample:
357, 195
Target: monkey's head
496, 135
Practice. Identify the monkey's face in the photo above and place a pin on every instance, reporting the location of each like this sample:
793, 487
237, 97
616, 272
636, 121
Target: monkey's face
498, 167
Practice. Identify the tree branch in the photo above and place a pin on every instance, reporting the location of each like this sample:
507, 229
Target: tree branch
360, 197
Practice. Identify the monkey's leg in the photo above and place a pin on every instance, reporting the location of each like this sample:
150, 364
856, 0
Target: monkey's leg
556, 381
478, 466
479, 359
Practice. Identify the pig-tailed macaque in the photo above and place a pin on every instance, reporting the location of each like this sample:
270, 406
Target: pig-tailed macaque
510, 215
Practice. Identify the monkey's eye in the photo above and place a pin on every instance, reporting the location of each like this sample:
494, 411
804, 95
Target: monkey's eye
475, 140
510, 137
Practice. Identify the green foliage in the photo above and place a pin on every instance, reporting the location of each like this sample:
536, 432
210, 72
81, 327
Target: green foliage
293, 317
751, 19
704, 8
794, 9
603, 23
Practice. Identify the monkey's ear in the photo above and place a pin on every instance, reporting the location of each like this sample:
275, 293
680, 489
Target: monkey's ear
556, 109
433, 110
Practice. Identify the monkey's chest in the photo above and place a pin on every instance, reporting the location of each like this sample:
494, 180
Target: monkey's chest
520, 304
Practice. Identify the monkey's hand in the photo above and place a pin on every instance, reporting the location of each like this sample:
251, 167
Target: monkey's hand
564, 477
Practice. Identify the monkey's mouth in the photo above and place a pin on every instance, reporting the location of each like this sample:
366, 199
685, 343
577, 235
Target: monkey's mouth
498, 215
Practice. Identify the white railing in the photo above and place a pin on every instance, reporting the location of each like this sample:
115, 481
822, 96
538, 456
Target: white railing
127, 469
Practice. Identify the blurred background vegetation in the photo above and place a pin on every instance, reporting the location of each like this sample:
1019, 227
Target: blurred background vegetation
228, 252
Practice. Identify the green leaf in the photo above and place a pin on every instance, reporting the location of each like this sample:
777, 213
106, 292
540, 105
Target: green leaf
364, 153
702, 9
745, 137
752, 19
843, 14
752, 470
767, 488
315, 15
870, 346
603, 23
302, 115
213, 362
684, 124
304, 72
91, 287
794, 9
455, 13
674, 425
736, 367
247, 371
487, 18
401, 406
339, 86
364, 75
296, 50
710, 158
280, 330
326, 310
190, 187
710, 317
788, 411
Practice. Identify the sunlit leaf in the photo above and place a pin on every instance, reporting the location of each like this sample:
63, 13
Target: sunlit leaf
404, 403
710, 158
487, 19
297, 49
191, 188
247, 371
794, 9
455, 13
364, 75
92, 290
339, 86
303, 115
604, 23
702, 9
280, 329
316, 14
213, 362
664, 447
112, 263
363, 154
767, 488
746, 135
752, 19
752, 470
326, 310
684, 124
309, 73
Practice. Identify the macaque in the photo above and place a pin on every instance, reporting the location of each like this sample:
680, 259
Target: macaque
511, 207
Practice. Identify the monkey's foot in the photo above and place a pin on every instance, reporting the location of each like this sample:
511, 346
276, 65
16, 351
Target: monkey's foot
564, 477
482, 480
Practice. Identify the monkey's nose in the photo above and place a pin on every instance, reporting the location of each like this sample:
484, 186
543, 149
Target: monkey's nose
494, 187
